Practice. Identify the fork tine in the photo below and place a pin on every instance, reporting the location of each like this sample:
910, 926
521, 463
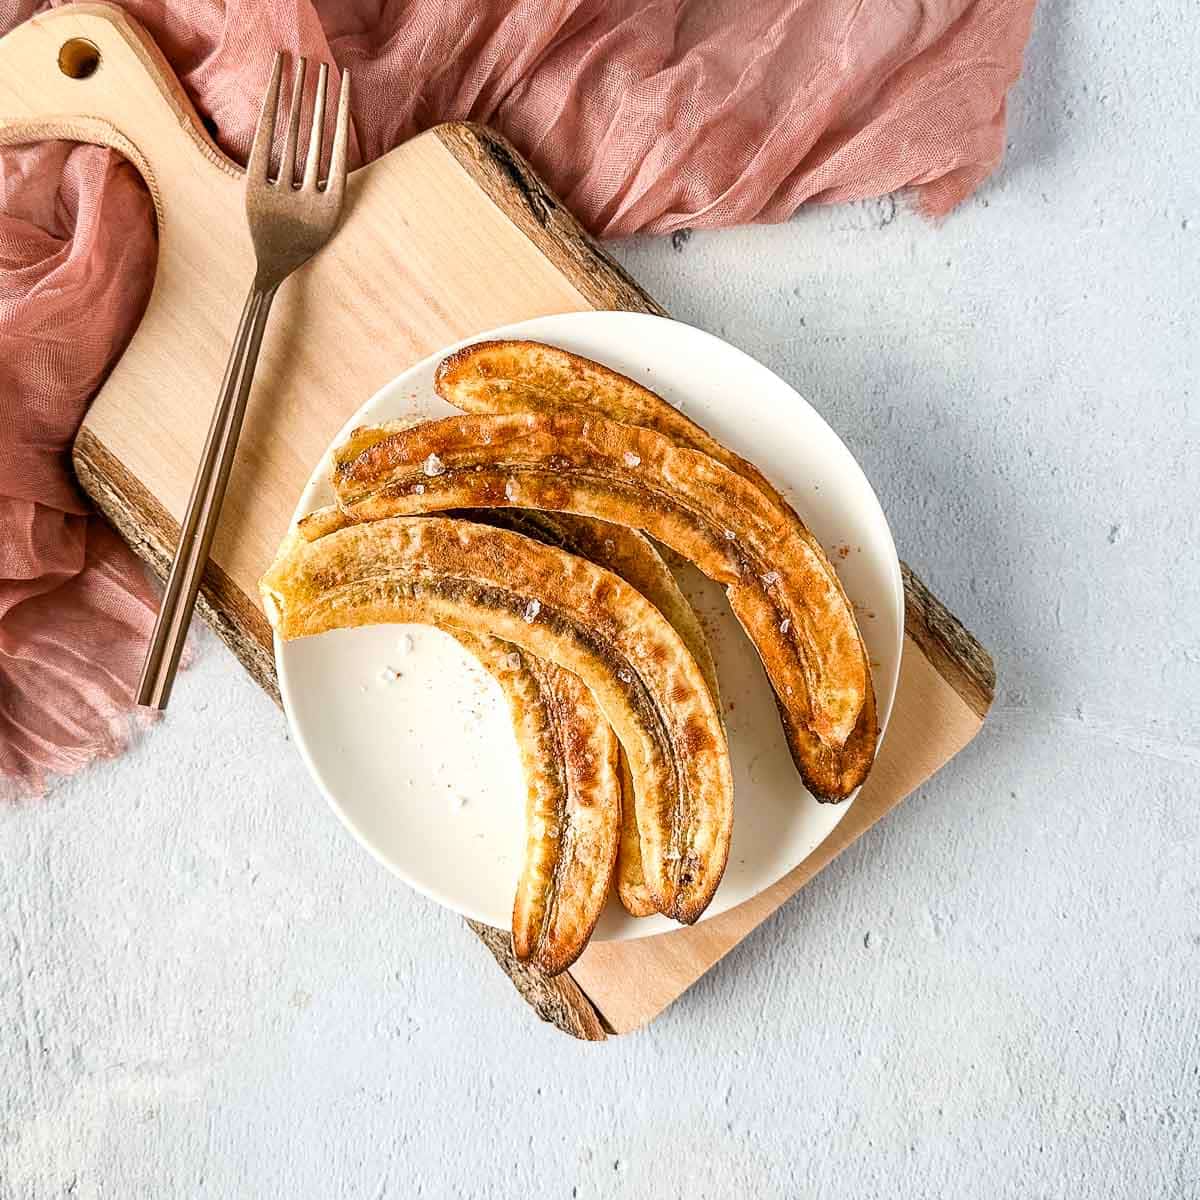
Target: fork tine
335, 185
259, 166
312, 163
287, 165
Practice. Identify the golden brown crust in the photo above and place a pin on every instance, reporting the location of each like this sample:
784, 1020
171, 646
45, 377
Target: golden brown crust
363, 436
573, 802
632, 556
463, 576
779, 583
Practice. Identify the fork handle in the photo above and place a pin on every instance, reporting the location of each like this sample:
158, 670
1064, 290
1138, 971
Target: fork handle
204, 506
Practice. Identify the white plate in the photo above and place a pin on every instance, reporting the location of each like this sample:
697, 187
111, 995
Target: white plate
423, 768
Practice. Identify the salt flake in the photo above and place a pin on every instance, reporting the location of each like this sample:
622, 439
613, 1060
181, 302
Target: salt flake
785, 624
433, 466
531, 611
730, 535
630, 459
513, 661
510, 489
770, 578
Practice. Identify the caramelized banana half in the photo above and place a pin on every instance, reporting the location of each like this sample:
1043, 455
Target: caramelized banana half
573, 802
467, 577
778, 582
516, 376
631, 555
621, 550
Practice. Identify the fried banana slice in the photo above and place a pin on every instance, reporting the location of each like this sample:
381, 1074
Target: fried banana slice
461, 576
621, 550
517, 376
635, 559
777, 581
632, 556
573, 802
362, 436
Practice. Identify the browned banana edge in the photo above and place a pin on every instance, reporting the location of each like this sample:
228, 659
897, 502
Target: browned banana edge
573, 803
632, 891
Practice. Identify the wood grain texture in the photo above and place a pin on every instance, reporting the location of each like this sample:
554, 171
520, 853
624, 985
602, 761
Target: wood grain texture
153, 533
446, 236
632, 982
558, 1000
511, 184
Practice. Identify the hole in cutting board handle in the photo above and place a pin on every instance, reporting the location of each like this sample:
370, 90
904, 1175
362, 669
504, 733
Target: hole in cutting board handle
79, 58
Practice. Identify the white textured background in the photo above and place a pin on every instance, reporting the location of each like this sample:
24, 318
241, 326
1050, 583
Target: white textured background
207, 989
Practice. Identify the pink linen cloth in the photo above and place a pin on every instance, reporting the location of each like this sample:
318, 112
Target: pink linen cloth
644, 115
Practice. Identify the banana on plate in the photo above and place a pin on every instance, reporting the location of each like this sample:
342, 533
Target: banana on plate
632, 556
562, 609
573, 802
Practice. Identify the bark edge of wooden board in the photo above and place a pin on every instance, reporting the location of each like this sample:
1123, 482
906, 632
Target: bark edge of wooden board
512, 185
948, 645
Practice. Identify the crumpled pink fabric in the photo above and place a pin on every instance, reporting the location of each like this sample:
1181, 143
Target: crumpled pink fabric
644, 115
76, 251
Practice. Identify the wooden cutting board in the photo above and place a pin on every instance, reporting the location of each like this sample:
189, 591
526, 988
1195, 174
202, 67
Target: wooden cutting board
448, 235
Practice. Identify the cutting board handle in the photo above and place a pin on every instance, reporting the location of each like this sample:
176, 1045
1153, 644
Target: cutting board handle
90, 73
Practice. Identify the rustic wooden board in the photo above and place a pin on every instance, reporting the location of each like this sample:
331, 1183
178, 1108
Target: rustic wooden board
448, 235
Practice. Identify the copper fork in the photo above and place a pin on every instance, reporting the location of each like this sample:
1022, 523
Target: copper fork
289, 223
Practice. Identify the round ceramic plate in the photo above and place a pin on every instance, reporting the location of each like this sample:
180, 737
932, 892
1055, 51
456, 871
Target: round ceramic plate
409, 738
